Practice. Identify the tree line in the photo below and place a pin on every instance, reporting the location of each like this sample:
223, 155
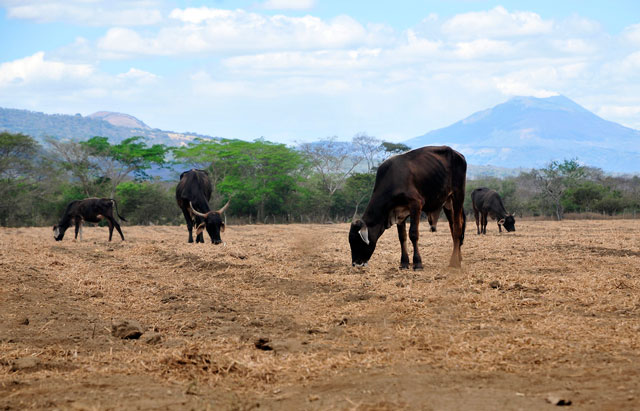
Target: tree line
325, 181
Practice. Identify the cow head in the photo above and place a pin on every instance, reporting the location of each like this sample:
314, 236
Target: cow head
361, 246
212, 222
509, 222
58, 232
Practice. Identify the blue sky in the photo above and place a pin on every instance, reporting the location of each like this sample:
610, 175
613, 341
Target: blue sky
301, 70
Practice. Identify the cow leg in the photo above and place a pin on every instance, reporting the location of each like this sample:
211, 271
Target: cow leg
476, 214
114, 223
484, 223
499, 228
414, 233
402, 236
189, 221
110, 222
78, 228
455, 215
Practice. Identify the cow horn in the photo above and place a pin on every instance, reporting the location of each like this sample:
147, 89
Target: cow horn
199, 214
224, 207
364, 234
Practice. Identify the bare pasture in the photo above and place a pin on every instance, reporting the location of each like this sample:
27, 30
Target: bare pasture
278, 319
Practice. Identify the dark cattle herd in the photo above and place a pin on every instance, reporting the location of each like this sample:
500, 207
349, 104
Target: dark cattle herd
425, 180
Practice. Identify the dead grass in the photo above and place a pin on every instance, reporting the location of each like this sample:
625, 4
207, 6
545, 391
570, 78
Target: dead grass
551, 302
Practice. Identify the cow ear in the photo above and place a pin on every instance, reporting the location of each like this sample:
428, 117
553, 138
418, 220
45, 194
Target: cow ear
364, 234
200, 229
222, 227
501, 221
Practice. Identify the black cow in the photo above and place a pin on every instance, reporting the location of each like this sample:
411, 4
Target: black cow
91, 210
488, 202
193, 194
426, 179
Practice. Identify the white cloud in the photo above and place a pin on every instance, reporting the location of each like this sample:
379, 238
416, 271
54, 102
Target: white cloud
139, 76
531, 82
481, 48
87, 13
237, 31
35, 69
497, 22
632, 34
288, 4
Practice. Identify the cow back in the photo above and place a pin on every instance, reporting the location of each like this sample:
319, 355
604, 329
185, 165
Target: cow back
195, 186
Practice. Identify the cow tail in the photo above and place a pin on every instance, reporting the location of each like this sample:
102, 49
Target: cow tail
115, 205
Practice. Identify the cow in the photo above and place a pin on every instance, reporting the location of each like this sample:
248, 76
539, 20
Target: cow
488, 202
193, 194
425, 179
91, 210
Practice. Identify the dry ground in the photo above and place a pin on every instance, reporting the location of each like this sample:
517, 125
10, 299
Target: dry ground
553, 308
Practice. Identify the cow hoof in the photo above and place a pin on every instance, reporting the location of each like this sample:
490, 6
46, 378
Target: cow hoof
404, 266
417, 267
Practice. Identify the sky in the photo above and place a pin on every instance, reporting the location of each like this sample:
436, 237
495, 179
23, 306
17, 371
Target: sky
302, 70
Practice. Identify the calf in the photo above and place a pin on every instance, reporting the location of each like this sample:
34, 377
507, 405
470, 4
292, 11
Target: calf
92, 210
488, 202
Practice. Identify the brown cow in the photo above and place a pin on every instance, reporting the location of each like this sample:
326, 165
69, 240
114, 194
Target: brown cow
425, 179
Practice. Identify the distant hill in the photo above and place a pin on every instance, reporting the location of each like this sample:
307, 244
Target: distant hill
529, 132
115, 126
119, 120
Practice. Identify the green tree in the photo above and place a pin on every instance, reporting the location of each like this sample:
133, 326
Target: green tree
554, 179
117, 162
148, 203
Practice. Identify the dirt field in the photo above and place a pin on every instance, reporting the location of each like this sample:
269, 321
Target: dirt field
278, 319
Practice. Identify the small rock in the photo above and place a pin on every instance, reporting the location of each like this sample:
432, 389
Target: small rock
24, 363
152, 338
263, 344
24, 321
556, 399
495, 284
127, 330
97, 294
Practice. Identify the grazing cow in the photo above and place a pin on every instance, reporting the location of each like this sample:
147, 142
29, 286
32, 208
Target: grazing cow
193, 194
488, 202
91, 210
426, 179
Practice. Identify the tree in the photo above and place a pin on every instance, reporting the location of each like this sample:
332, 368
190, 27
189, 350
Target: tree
394, 148
75, 158
260, 175
332, 160
18, 154
116, 162
554, 179
369, 148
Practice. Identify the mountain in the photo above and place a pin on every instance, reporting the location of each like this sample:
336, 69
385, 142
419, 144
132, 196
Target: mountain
115, 126
119, 119
529, 132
